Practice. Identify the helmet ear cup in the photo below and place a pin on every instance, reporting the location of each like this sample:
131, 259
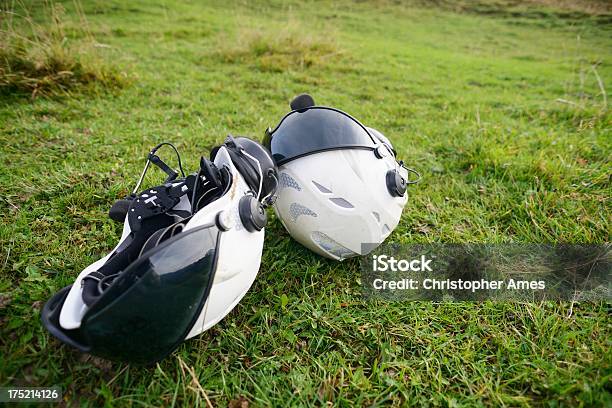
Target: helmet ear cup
396, 184
252, 213
120, 208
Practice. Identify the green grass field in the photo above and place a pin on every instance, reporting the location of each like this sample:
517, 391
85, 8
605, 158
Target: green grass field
501, 105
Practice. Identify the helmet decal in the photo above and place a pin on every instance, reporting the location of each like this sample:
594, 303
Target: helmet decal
286, 181
295, 210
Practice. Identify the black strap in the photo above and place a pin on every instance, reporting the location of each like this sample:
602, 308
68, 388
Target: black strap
153, 158
210, 171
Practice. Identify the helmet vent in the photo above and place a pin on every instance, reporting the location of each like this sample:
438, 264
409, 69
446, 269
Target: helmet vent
385, 229
286, 181
321, 188
341, 202
295, 210
330, 246
376, 216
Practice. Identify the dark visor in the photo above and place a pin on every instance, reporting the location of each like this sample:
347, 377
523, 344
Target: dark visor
316, 129
150, 308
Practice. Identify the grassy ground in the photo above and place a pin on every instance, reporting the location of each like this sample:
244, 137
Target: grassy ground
501, 105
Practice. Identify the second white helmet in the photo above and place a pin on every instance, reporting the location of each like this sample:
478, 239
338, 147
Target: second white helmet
341, 191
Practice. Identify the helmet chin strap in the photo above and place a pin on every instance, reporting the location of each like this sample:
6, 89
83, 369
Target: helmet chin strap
268, 199
258, 169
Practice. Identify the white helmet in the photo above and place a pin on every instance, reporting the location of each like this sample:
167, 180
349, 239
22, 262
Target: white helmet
175, 272
341, 191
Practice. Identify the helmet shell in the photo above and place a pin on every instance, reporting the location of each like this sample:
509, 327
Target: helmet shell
137, 319
341, 191
336, 202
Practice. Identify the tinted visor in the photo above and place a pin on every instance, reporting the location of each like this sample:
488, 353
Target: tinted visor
316, 129
150, 308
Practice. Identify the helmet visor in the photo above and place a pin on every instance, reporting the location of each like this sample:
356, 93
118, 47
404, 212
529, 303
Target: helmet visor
152, 305
313, 130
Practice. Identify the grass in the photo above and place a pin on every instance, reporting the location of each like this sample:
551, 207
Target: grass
505, 113
290, 48
42, 58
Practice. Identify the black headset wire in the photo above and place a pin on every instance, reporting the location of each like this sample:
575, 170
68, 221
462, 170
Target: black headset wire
148, 163
409, 170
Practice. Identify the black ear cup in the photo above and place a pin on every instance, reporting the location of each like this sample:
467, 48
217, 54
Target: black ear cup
238, 148
120, 209
252, 213
396, 184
